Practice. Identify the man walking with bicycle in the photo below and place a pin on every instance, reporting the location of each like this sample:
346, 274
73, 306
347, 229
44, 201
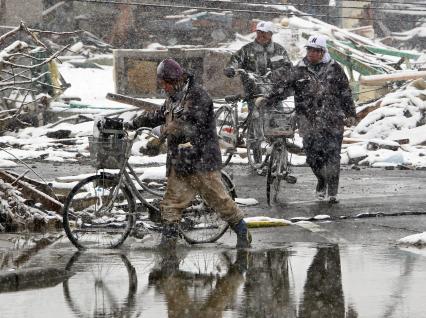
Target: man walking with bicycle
324, 104
259, 57
193, 154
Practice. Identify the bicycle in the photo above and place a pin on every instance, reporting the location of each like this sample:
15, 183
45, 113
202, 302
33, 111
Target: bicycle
279, 127
102, 210
234, 132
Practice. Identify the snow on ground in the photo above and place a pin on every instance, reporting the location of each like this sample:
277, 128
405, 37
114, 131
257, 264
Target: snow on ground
415, 239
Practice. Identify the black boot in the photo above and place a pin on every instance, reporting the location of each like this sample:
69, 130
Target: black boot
169, 236
243, 234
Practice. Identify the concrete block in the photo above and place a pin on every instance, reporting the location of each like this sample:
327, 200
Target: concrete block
135, 70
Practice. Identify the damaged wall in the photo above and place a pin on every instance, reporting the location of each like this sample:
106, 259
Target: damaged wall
135, 70
13, 11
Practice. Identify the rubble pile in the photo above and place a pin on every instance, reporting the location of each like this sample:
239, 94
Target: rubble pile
28, 78
392, 130
18, 213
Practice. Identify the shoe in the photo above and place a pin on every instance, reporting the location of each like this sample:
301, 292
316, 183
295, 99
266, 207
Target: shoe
169, 236
333, 199
320, 195
243, 235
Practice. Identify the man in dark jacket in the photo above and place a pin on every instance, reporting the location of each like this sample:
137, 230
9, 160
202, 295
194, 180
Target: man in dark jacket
323, 102
193, 154
257, 59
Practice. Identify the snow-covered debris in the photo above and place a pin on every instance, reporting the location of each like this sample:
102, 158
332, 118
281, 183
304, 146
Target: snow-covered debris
394, 132
16, 215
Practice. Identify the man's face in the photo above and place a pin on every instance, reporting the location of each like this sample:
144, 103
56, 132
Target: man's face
263, 37
314, 55
168, 87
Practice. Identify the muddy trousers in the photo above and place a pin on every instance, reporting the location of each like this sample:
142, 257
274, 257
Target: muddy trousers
323, 156
181, 190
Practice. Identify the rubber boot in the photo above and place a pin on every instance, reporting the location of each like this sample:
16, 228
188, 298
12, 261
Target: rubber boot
243, 234
169, 236
333, 173
321, 187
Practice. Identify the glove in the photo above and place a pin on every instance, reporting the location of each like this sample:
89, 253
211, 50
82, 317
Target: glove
229, 72
128, 125
153, 147
350, 121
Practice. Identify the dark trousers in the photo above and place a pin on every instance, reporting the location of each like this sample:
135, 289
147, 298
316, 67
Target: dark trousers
322, 149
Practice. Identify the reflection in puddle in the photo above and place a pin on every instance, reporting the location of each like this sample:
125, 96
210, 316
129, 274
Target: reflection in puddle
298, 281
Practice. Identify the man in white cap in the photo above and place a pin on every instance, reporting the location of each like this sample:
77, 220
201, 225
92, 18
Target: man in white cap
324, 104
258, 57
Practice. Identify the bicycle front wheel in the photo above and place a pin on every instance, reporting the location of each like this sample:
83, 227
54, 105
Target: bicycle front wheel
98, 214
277, 171
227, 131
201, 223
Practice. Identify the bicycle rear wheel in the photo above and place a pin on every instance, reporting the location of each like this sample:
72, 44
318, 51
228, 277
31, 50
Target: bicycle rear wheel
98, 215
278, 170
256, 144
227, 131
201, 223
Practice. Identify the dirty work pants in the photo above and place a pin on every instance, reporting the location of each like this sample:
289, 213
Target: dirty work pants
322, 149
181, 190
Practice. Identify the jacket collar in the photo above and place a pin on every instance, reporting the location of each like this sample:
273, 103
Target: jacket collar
262, 48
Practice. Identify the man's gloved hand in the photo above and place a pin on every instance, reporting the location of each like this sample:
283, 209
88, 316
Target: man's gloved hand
350, 121
229, 72
128, 125
153, 147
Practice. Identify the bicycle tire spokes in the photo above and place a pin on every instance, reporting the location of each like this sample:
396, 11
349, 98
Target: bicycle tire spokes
98, 213
227, 132
201, 223
278, 171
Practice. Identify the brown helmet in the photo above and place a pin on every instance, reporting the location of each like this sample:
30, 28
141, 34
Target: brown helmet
169, 70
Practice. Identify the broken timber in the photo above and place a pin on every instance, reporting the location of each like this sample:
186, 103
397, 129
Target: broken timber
133, 101
29, 191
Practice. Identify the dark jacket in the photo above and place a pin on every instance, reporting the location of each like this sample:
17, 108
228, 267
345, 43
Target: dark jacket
194, 147
322, 95
258, 59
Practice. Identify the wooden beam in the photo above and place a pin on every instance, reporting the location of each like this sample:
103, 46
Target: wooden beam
30, 192
133, 101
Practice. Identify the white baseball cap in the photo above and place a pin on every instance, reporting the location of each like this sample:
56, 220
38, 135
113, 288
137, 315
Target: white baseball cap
317, 41
265, 26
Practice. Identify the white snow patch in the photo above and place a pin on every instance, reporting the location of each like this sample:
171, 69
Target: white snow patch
246, 201
415, 239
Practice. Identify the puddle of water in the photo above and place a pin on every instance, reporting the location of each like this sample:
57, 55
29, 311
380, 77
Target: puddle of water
304, 280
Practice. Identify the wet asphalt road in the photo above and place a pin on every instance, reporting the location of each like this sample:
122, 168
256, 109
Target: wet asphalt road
347, 266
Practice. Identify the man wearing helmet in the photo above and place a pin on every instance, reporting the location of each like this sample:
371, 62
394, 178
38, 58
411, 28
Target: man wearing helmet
258, 57
324, 104
193, 154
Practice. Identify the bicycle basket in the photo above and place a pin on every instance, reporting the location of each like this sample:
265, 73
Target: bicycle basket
109, 152
279, 124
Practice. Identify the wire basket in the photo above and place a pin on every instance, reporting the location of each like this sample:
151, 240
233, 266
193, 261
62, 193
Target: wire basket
109, 152
279, 124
